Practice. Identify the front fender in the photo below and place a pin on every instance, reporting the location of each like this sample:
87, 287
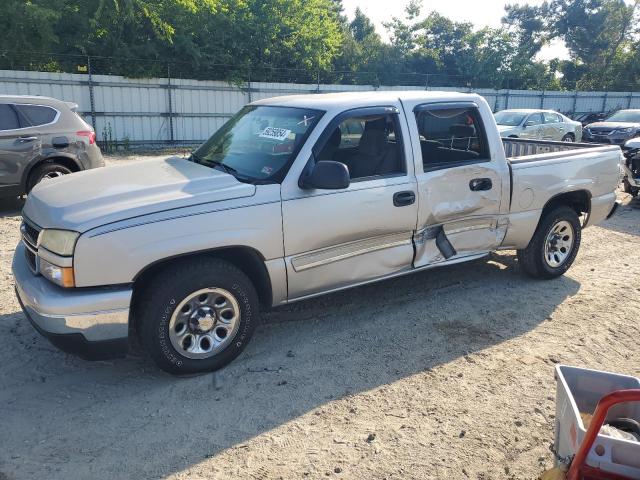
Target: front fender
114, 255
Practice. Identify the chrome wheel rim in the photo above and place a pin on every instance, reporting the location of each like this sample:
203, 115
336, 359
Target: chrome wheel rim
559, 243
54, 174
204, 323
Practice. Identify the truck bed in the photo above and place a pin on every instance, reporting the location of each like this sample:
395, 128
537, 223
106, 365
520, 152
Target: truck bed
542, 170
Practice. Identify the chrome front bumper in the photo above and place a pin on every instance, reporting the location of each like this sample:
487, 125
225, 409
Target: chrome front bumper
92, 322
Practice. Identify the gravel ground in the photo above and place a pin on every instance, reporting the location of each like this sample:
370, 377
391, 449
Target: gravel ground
445, 374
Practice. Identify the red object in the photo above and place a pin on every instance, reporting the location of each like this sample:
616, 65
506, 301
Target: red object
579, 469
88, 133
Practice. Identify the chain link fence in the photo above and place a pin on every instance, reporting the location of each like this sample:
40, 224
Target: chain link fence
179, 103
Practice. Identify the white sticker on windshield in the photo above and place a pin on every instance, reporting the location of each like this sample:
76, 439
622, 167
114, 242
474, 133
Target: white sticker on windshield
274, 133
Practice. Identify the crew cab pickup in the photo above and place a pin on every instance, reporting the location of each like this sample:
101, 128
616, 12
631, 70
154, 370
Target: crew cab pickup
295, 197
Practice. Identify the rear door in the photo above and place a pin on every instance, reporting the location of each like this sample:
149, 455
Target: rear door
339, 238
18, 145
460, 182
553, 126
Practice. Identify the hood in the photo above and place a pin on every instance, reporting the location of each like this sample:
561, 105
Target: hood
633, 143
610, 125
507, 128
92, 198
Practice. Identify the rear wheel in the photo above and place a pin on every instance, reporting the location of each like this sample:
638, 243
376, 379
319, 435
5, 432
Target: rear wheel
46, 171
569, 138
554, 245
197, 316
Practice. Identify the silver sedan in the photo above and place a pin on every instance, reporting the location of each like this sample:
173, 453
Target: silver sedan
538, 124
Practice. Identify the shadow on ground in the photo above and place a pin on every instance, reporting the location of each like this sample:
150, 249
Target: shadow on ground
67, 418
627, 217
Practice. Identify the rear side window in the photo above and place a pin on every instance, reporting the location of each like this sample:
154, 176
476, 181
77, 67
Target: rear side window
37, 114
534, 119
551, 117
449, 137
8, 117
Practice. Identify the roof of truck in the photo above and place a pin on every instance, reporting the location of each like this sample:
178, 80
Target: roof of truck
347, 100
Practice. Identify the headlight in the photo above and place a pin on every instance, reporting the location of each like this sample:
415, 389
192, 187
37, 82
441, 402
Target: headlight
60, 242
62, 276
625, 130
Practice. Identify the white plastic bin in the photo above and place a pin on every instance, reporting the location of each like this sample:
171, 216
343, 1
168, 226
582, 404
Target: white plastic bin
578, 391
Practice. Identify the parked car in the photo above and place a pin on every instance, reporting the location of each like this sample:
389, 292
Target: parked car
631, 167
590, 117
276, 207
42, 138
538, 124
615, 129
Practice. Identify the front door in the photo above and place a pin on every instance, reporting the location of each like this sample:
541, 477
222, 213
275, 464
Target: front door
339, 238
460, 187
533, 127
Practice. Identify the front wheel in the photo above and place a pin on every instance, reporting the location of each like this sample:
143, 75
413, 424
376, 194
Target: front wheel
568, 138
197, 316
554, 245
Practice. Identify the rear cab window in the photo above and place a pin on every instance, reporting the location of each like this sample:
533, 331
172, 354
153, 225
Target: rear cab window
451, 136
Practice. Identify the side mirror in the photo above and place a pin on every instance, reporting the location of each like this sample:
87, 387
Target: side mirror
326, 175
528, 123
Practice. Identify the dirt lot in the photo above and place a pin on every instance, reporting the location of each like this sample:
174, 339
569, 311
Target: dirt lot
445, 374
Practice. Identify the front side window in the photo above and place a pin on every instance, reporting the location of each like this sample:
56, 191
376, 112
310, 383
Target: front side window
370, 146
8, 117
37, 115
259, 143
451, 136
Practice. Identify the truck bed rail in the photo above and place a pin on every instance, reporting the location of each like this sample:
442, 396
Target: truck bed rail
518, 147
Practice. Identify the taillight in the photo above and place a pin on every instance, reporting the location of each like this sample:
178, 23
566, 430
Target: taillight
89, 134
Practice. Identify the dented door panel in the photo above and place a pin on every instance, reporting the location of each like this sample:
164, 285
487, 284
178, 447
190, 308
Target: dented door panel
470, 220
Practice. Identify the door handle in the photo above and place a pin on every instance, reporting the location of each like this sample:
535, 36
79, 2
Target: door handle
402, 199
480, 184
27, 139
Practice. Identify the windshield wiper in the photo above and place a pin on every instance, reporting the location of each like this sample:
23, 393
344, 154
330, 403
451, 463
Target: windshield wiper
227, 168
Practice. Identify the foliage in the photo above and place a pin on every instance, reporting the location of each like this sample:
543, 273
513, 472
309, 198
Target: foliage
307, 40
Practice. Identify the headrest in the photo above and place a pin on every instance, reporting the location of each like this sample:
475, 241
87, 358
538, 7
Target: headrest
459, 130
372, 142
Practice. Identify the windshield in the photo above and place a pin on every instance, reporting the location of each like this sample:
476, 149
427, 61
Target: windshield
631, 116
511, 119
259, 142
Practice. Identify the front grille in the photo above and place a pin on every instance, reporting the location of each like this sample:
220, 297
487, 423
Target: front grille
30, 235
31, 259
601, 131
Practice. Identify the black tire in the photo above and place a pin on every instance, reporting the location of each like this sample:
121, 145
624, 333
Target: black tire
161, 297
569, 137
46, 170
533, 259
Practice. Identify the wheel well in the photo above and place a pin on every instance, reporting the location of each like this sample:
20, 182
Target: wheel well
579, 200
65, 161
248, 260
570, 134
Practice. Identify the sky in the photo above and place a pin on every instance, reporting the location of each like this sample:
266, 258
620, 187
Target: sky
479, 12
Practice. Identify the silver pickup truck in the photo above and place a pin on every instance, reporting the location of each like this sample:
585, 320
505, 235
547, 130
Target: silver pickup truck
295, 197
